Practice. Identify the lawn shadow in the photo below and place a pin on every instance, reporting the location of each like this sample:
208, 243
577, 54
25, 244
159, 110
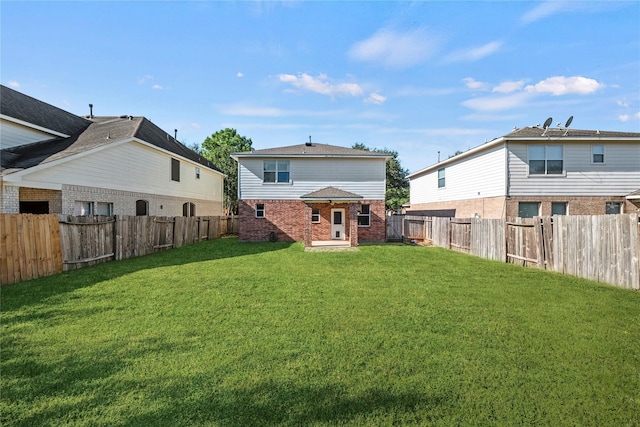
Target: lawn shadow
32, 292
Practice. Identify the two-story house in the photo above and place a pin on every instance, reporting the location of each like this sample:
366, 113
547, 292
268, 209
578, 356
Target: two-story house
534, 171
53, 161
312, 193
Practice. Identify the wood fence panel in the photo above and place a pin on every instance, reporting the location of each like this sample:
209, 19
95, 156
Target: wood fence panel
604, 248
488, 239
521, 242
460, 234
214, 227
29, 247
442, 232
86, 240
394, 228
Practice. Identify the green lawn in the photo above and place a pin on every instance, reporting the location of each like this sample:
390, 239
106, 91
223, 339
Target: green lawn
232, 334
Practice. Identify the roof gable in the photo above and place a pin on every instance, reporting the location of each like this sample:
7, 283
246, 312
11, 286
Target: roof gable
30, 110
311, 150
84, 134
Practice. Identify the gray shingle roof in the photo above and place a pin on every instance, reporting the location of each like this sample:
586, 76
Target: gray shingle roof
534, 131
331, 193
27, 109
93, 133
313, 150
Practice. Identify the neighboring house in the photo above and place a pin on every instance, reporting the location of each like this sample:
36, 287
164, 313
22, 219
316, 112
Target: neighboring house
534, 171
312, 193
53, 161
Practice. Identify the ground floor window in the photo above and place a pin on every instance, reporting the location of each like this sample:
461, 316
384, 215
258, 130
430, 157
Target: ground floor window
558, 208
188, 209
83, 208
104, 208
142, 207
528, 209
260, 210
613, 208
32, 207
364, 216
315, 215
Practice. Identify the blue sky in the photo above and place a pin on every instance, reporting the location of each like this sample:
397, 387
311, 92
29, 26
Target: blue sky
415, 77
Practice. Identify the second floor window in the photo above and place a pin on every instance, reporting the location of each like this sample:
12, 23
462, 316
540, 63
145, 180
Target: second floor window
545, 160
276, 171
597, 153
441, 178
175, 170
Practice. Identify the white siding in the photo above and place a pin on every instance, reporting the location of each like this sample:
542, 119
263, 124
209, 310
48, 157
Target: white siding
619, 175
13, 135
478, 176
130, 167
365, 177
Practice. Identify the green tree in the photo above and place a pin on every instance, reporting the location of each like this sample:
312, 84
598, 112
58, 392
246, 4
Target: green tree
217, 148
397, 191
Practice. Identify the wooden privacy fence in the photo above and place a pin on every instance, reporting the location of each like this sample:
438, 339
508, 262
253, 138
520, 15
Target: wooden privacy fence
604, 248
29, 247
33, 246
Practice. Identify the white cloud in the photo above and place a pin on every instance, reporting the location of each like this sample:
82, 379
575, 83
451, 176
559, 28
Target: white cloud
14, 84
321, 85
249, 110
156, 87
195, 126
561, 85
624, 104
471, 83
239, 75
508, 86
497, 103
626, 117
545, 9
395, 49
142, 80
474, 54
375, 98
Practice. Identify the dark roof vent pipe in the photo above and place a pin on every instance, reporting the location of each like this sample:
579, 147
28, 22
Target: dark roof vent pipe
91, 111
175, 134
308, 144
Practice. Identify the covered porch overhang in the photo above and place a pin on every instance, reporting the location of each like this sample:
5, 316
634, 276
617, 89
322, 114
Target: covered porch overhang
343, 221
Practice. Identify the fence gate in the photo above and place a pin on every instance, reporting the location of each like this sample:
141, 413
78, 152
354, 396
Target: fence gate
394, 228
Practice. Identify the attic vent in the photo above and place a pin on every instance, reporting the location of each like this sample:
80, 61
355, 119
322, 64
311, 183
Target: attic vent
308, 144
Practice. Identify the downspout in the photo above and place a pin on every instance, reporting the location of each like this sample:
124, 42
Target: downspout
507, 178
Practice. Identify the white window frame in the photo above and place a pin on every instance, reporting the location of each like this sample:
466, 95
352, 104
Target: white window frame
83, 208
197, 173
367, 215
566, 207
315, 215
106, 206
593, 154
260, 211
619, 204
545, 149
280, 166
531, 203
442, 179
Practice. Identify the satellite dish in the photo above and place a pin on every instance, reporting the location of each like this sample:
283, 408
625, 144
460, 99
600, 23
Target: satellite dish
547, 123
569, 120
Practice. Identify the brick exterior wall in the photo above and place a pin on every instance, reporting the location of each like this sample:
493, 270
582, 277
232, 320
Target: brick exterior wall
486, 207
507, 207
575, 205
124, 202
10, 197
54, 197
290, 220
